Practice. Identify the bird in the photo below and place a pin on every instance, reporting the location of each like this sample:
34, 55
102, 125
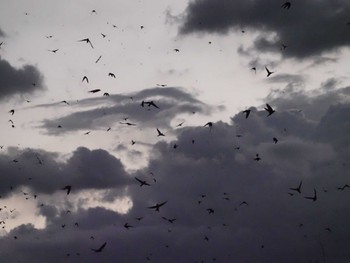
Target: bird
254, 69
274, 139
103, 35
157, 206
12, 111
210, 210
343, 187
87, 133
132, 142
298, 189
98, 59
53, 50
328, 229
170, 220
286, 5
142, 27
268, 72
313, 198
106, 94
176, 50
68, 188
142, 182
128, 123
86, 79
160, 133
243, 203
87, 40
64, 101
209, 124
110, 74
127, 226
94, 90
149, 104
180, 124
269, 109
100, 248
246, 112
257, 158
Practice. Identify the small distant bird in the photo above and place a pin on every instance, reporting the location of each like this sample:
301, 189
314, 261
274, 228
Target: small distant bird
243, 203
209, 124
149, 104
142, 27
269, 110
257, 158
48, 37
313, 198
94, 12
268, 72
1, 44
106, 94
94, 90
87, 133
274, 139
343, 187
100, 248
127, 226
283, 46
109, 129
87, 40
180, 124
160, 133
176, 50
64, 101
298, 189
98, 59
170, 220
246, 112
110, 74
286, 5
128, 123
157, 206
132, 142
210, 210
53, 50
328, 229
12, 111
68, 188
103, 35
86, 79
254, 69
142, 182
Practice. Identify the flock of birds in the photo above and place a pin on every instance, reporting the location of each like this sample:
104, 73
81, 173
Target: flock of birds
150, 104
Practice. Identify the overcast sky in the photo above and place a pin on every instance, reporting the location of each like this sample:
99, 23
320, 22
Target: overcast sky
83, 166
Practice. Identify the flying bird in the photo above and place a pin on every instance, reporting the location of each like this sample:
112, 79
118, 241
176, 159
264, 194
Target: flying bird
209, 124
98, 59
127, 226
94, 90
257, 158
53, 50
100, 248
269, 110
86, 79
313, 198
246, 112
298, 189
180, 124
68, 188
128, 123
157, 206
87, 40
110, 74
103, 35
142, 182
268, 72
274, 139
160, 133
286, 5
343, 187
176, 50
106, 94
12, 111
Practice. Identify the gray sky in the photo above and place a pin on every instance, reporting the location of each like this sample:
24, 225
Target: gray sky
228, 183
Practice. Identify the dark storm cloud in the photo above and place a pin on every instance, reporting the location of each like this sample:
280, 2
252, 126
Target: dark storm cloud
14, 81
308, 28
111, 110
41, 171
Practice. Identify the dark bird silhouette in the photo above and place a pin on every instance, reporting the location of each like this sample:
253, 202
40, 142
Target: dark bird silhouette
268, 72
254, 69
87, 40
180, 124
269, 109
170, 220
257, 158
313, 198
328, 229
275, 140
53, 50
103, 35
128, 123
98, 59
286, 5
68, 188
127, 226
64, 101
160, 133
342, 188
110, 74
87, 133
86, 79
94, 90
142, 182
12, 111
149, 104
298, 189
176, 50
100, 248
142, 27
243, 203
246, 112
106, 94
210, 210
132, 142
209, 124
157, 206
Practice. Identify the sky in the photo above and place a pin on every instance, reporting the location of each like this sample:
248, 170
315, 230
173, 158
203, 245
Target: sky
165, 139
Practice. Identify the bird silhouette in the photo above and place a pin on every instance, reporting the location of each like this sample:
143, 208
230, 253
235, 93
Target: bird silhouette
87, 40
157, 206
313, 198
53, 50
94, 90
274, 139
170, 220
176, 50
98, 59
12, 111
86, 79
106, 94
269, 109
64, 101
246, 112
142, 182
100, 248
110, 74
343, 187
128, 123
68, 188
298, 189
127, 226
268, 72
160, 133
286, 5
257, 157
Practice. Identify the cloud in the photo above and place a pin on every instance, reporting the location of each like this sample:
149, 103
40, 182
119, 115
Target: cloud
274, 25
112, 109
25, 80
